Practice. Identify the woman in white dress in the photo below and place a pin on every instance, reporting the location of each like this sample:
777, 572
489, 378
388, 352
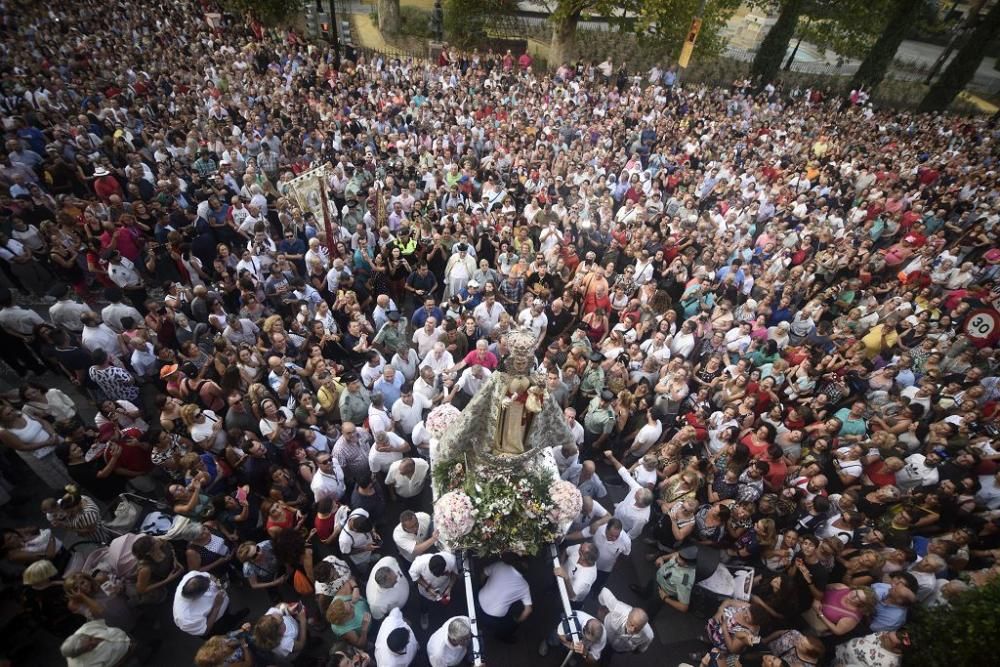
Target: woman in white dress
35, 442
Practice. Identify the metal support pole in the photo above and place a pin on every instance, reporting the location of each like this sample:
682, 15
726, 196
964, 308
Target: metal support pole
470, 600
570, 623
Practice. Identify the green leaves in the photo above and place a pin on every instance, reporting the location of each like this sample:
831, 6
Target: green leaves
962, 634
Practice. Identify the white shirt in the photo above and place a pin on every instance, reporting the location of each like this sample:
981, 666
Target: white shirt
471, 384
290, 634
383, 656
440, 651
191, 614
101, 337
425, 341
614, 626
597, 647
487, 318
66, 314
633, 518
113, 313
382, 600
438, 364
581, 577
435, 586
608, 551
124, 274
576, 428
408, 487
350, 541
328, 485
371, 373
407, 416
379, 419
380, 461
647, 437
407, 542
504, 587
537, 323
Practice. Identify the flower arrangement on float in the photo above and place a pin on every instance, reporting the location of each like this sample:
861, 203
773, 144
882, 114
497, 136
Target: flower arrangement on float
519, 512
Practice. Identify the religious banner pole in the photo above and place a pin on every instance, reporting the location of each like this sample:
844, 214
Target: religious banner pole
331, 244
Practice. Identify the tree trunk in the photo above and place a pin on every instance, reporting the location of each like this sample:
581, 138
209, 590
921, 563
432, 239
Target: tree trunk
964, 65
771, 53
876, 64
388, 16
562, 48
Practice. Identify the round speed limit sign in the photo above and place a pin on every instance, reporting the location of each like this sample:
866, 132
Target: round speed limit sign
983, 327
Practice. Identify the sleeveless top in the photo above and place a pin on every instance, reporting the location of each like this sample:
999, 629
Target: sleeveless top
32, 433
215, 549
834, 607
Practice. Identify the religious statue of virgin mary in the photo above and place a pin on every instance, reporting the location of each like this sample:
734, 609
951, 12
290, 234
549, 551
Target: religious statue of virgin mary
512, 417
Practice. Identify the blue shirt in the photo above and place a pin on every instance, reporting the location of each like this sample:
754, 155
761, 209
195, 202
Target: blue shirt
886, 617
390, 392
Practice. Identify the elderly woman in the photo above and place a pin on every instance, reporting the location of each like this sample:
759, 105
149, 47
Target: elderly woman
840, 610
96, 596
350, 618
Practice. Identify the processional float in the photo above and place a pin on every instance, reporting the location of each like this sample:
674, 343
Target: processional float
496, 485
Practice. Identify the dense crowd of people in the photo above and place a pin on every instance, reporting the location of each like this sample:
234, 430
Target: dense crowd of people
766, 313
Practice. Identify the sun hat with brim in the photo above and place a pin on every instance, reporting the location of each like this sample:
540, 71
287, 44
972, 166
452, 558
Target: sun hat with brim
101, 171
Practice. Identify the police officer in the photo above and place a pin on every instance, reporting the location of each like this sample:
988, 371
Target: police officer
673, 582
598, 423
392, 334
591, 382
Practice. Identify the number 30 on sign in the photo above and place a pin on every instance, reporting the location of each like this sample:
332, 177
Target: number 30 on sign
983, 327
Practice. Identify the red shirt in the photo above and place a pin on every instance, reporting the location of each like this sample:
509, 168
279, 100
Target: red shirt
880, 475
487, 361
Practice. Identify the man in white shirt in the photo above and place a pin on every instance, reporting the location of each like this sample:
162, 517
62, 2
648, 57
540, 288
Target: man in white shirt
357, 539
487, 314
387, 449
627, 628
113, 313
438, 359
387, 588
647, 436
633, 510
426, 336
200, 602
379, 419
590, 645
449, 643
434, 575
575, 427
395, 645
66, 311
99, 336
471, 381
565, 455
505, 587
534, 318
408, 410
328, 479
406, 477
413, 535
612, 543
578, 571
372, 370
